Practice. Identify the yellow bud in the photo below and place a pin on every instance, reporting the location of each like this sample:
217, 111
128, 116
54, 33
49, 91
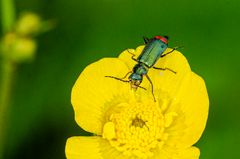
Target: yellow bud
28, 23
18, 49
24, 50
7, 42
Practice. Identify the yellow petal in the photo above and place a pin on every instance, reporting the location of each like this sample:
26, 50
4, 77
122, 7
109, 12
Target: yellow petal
192, 111
169, 118
189, 153
91, 148
187, 89
169, 153
109, 131
126, 56
83, 148
92, 91
108, 152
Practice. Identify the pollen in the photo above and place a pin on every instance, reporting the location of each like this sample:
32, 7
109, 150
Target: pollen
136, 128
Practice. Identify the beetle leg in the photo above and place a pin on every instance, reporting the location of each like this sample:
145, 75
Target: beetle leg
126, 75
130, 52
146, 40
134, 59
133, 55
117, 78
164, 69
151, 86
169, 52
175, 48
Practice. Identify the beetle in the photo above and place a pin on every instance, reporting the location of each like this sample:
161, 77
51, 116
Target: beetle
152, 51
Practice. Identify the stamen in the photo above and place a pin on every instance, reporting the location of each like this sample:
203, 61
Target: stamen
136, 128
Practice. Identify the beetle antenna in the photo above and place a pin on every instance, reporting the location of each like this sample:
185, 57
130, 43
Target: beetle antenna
179, 47
119, 79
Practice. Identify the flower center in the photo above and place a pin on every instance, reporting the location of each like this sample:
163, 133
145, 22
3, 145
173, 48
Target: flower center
137, 128
137, 122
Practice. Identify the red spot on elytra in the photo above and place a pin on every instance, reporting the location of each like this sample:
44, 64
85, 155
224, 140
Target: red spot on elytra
163, 39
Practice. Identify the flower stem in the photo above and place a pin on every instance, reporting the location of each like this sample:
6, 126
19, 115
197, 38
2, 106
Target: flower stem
7, 70
5, 93
8, 15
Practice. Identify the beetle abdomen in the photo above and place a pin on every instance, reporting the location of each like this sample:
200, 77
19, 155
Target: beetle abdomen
152, 52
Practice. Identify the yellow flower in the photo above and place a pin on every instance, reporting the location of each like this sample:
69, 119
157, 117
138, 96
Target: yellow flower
18, 49
28, 23
129, 124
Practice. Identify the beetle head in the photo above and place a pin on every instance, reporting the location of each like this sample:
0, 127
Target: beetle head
135, 80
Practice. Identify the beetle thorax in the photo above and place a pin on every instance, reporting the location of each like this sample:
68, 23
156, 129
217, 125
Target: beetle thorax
140, 69
136, 77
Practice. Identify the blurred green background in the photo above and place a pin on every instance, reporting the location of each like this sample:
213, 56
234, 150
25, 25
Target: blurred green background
41, 115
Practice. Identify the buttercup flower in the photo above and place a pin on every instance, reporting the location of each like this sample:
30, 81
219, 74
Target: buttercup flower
129, 124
